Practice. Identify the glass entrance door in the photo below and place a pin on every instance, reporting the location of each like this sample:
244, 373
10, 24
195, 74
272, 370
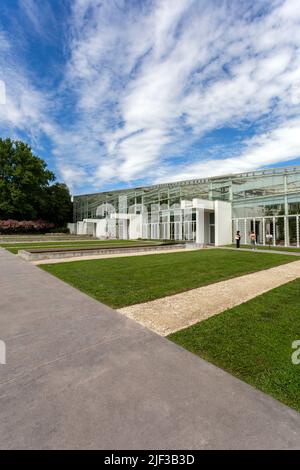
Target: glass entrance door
212, 228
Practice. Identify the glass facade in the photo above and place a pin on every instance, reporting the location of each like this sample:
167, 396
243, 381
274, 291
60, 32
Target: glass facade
267, 201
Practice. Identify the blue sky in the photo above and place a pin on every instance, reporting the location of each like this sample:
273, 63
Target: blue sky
116, 93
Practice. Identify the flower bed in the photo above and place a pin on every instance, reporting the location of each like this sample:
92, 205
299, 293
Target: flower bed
24, 226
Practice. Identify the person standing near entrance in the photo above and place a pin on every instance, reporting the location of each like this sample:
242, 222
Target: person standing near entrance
238, 239
253, 240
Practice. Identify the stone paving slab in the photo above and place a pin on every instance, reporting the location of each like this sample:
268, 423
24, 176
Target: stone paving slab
80, 375
175, 312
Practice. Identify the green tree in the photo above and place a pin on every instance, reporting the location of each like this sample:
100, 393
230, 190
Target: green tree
58, 205
26, 191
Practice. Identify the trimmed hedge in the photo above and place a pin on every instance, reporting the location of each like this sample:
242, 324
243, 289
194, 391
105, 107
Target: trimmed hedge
24, 226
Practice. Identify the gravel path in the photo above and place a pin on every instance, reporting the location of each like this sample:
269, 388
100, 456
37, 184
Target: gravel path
175, 312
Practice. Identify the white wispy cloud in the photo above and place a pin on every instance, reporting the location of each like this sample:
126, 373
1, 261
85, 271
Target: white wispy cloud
149, 79
278, 145
24, 104
28, 109
41, 17
31, 10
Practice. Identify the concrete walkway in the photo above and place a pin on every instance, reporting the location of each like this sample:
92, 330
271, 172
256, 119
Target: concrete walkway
175, 312
261, 250
80, 375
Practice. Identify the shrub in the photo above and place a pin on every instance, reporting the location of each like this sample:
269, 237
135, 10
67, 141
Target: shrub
58, 231
24, 226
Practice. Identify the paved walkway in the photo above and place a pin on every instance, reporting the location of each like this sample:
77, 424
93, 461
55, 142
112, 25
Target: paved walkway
175, 312
260, 250
80, 375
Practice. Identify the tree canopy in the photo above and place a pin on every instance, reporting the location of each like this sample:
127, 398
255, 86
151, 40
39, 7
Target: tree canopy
27, 188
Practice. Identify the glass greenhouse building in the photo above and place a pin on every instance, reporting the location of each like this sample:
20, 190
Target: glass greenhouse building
206, 211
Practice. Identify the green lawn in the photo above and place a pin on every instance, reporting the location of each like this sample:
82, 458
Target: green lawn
125, 281
253, 342
15, 247
266, 247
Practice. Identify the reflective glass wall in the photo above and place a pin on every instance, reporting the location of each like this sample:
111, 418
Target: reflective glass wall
273, 231
266, 201
153, 200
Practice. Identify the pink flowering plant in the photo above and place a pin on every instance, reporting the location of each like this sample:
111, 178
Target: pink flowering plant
24, 226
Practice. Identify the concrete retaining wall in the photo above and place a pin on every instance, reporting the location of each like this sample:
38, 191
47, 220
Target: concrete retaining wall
35, 256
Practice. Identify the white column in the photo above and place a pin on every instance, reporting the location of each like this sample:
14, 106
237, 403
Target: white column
274, 231
179, 226
200, 233
286, 231
264, 230
223, 224
286, 205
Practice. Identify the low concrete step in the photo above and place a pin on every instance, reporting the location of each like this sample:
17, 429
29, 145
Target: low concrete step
36, 255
